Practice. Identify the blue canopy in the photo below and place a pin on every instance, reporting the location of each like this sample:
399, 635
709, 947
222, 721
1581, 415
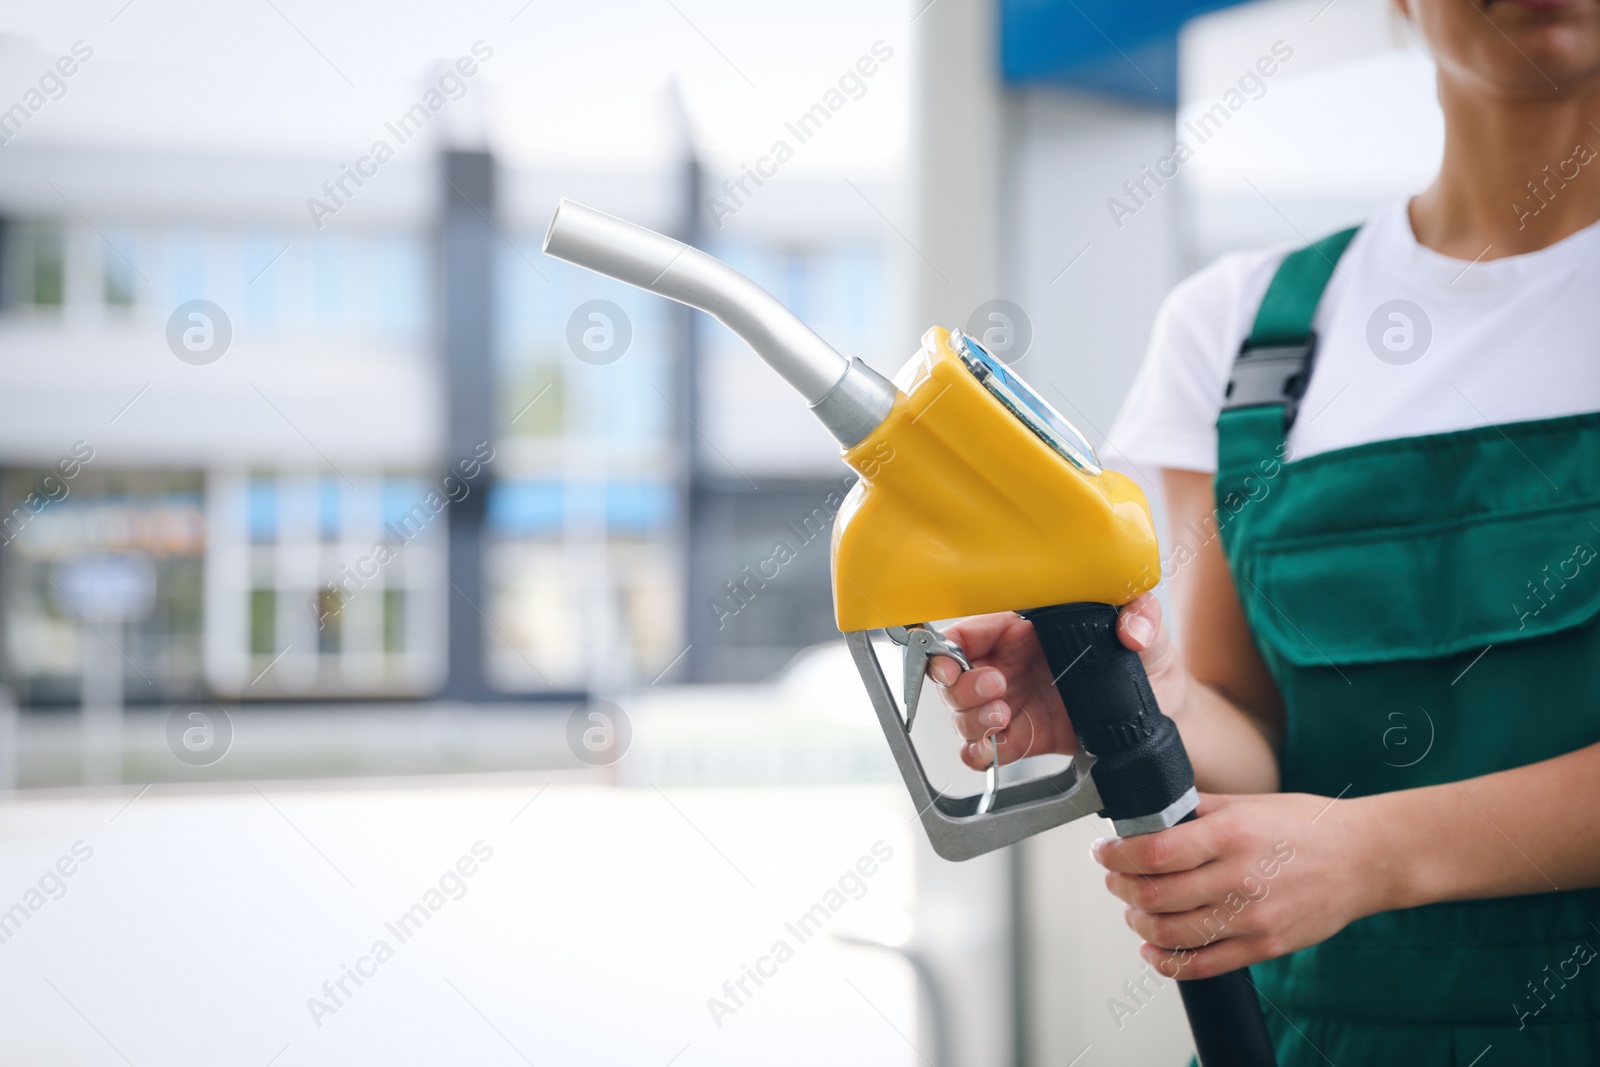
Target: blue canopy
1122, 48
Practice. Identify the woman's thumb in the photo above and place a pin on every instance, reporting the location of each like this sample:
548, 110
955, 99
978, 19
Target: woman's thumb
1139, 623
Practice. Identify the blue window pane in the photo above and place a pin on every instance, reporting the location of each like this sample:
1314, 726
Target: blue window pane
327, 291
526, 507
328, 509
532, 508
400, 495
405, 291
796, 285
188, 265
260, 281
641, 507
261, 509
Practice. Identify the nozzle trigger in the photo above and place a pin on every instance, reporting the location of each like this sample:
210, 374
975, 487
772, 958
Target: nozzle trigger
922, 642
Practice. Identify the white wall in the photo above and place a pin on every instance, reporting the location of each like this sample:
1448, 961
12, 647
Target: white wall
1348, 122
1089, 282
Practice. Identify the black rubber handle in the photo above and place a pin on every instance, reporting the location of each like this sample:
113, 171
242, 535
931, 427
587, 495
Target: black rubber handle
1140, 765
1225, 1018
1141, 769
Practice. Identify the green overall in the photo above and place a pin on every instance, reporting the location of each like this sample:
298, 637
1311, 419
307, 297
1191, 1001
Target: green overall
1426, 606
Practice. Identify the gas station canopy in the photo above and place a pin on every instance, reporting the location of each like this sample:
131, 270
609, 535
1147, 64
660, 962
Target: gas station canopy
1111, 47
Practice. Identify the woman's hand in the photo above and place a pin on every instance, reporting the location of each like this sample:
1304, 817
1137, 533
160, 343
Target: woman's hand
1253, 878
1010, 693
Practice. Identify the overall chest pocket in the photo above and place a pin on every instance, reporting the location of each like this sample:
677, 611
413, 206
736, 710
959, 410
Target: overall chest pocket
1417, 654
1428, 591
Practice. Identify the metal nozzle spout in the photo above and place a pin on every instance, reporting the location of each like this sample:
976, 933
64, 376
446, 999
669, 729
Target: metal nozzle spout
849, 397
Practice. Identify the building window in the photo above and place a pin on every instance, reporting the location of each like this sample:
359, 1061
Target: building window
117, 275
37, 263
263, 621
328, 509
307, 566
543, 575
262, 504
330, 616
535, 405
394, 621
154, 520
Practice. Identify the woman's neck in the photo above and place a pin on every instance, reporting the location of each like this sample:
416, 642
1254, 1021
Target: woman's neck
1517, 175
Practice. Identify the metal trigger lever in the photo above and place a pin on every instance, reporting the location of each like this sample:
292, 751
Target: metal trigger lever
922, 642
991, 777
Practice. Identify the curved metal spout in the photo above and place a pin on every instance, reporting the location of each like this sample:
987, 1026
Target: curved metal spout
849, 397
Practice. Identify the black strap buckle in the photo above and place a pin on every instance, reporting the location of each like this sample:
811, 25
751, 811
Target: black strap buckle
1271, 374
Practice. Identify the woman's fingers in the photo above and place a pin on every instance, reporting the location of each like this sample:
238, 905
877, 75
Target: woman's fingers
975, 723
969, 688
1223, 956
978, 635
1174, 893
1139, 628
1181, 848
976, 756
1197, 927
1012, 743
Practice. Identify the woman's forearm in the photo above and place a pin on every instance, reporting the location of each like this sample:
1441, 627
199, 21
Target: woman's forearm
1219, 673
1229, 749
1531, 829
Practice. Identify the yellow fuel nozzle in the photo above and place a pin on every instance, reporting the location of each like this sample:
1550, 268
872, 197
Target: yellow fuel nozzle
962, 508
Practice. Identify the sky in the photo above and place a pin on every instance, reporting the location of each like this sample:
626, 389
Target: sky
585, 85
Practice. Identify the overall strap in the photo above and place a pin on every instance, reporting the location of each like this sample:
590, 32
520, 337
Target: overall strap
1274, 364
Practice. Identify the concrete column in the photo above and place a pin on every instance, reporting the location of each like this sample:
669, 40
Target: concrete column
950, 255
467, 291
956, 141
9, 735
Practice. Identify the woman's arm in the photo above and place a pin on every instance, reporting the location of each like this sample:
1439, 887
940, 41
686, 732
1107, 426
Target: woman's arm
1530, 829
1258, 876
1229, 713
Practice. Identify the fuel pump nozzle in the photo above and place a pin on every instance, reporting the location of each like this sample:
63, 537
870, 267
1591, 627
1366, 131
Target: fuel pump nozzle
849, 397
975, 496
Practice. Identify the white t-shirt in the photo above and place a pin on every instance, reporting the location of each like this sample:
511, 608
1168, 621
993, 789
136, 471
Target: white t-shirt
1489, 342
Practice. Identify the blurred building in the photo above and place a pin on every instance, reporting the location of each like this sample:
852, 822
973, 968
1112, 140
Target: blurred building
262, 476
